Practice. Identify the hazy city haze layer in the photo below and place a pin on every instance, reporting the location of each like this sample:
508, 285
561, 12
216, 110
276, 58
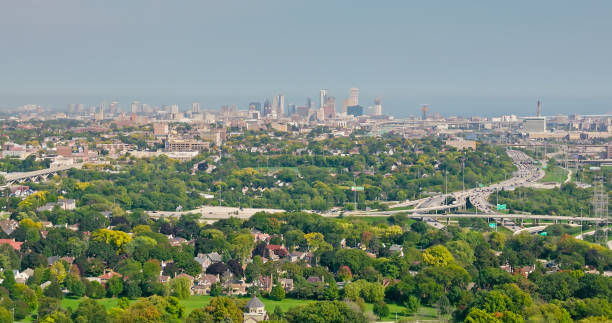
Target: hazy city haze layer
463, 58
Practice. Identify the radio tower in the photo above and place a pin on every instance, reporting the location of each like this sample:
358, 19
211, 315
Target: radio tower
600, 206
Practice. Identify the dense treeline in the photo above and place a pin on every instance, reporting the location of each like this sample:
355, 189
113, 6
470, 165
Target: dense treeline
390, 169
456, 270
568, 200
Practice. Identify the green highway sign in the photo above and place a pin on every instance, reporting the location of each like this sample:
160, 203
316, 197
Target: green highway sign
356, 188
501, 207
480, 185
543, 233
491, 225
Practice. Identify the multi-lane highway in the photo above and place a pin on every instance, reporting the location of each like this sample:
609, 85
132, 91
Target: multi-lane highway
526, 175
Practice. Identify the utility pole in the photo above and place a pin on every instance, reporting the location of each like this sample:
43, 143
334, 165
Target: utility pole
355, 190
581, 223
463, 172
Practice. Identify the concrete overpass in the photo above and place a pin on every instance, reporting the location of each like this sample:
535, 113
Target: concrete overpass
36, 175
501, 216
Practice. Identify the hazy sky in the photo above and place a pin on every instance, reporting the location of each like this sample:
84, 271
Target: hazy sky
462, 57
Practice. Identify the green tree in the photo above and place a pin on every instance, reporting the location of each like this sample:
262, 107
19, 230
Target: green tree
48, 305
477, 315
324, 312
75, 286
90, 311
547, 313
175, 308
5, 315
381, 309
94, 290
412, 304
180, 287
222, 308
437, 256
115, 286
277, 293
54, 290
199, 315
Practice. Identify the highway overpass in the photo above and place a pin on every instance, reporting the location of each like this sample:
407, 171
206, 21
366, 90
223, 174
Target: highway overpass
43, 174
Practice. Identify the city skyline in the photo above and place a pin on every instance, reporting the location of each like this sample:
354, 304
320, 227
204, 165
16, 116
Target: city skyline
461, 57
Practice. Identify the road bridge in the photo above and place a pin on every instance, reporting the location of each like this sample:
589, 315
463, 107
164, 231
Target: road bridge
42, 174
504, 216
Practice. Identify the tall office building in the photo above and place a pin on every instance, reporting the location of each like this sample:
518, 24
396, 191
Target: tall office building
329, 108
281, 105
267, 110
255, 106
174, 109
102, 106
274, 104
376, 109
291, 109
195, 107
354, 110
135, 107
354, 97
99, 116
278, 105
322, 97
113, 107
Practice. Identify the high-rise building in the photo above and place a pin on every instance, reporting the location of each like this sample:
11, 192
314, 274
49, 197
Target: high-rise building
322, 97
99, 116
278, 105
345, 104
281, 105
376, 109
354, 97
135, 107
71, 108
329, 108
255, 106
354, 110
174, 109
114, 107
267, 108
195, 107
274, 104
291, 109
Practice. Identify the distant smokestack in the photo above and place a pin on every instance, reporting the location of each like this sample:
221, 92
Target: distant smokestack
539, 108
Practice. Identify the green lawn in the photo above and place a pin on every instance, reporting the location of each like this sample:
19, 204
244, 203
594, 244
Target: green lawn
554, 173
193, 302
409, 207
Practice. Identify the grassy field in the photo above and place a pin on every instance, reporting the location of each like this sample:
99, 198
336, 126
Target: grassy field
409, 207
193, 302
274, 169
554, 174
